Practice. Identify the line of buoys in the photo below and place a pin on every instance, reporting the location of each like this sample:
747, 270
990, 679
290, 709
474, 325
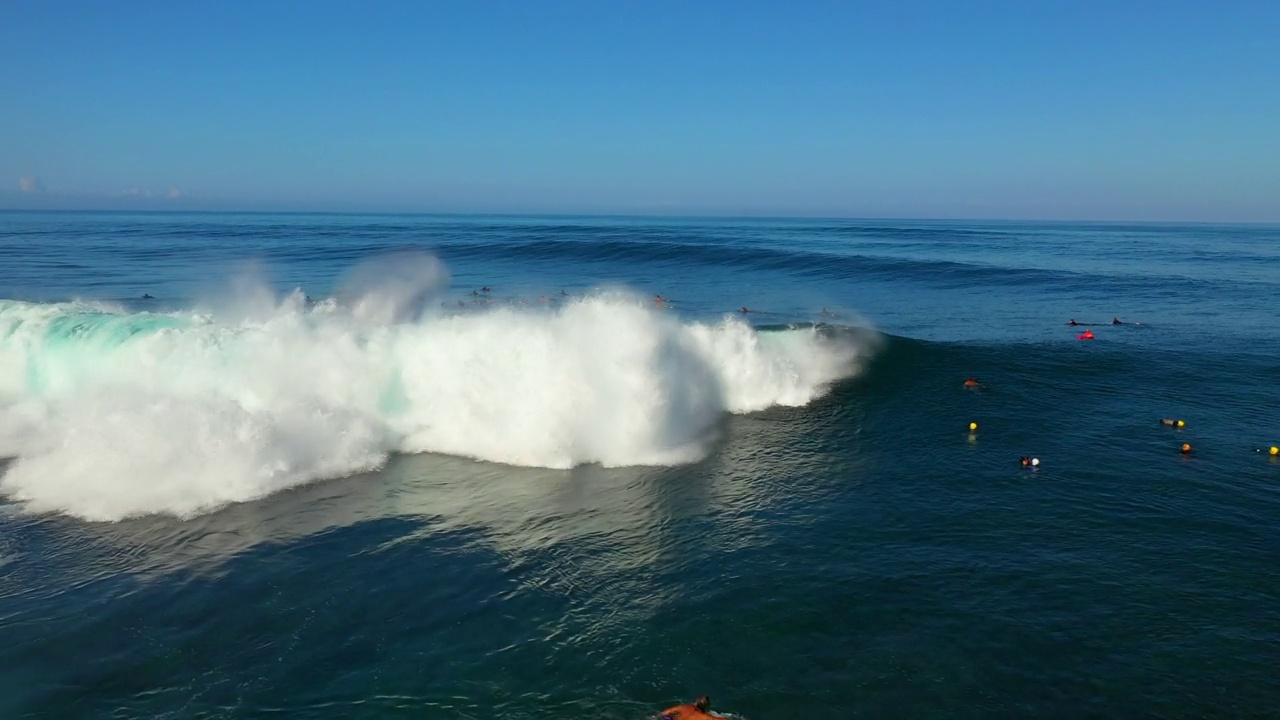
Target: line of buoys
1185, 448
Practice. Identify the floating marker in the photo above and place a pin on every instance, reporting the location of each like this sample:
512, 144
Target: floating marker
1035, 462
1274, 451
973, 426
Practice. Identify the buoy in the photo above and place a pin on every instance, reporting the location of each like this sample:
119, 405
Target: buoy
1035, 462
1186, 448
1088, 335
1274, 451
973, 426
970, 382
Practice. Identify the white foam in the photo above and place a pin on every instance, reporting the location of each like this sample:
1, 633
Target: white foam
183, 413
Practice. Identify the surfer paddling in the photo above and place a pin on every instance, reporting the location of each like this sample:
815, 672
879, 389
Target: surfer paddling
695, 711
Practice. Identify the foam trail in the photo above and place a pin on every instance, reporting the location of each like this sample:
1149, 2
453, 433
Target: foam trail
112, 414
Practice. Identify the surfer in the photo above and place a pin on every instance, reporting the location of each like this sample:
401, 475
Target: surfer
1116, 321
743, 310
687, 711
1072, 322
148, 296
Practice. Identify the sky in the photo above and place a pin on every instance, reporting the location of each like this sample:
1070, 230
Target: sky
1053, 109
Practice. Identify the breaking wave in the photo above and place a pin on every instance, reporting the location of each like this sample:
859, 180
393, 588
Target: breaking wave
109, 414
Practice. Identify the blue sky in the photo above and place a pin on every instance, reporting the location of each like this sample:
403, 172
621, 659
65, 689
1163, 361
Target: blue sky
1057, 110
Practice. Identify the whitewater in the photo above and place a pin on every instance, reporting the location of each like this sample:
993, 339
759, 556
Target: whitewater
108, 413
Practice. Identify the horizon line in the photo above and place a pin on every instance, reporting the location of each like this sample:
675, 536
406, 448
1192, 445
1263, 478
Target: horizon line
625, 215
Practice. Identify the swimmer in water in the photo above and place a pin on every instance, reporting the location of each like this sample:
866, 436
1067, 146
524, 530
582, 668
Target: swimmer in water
1172, 423
698, 709
971, 383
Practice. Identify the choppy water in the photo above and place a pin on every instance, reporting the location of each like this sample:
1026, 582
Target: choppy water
324, 473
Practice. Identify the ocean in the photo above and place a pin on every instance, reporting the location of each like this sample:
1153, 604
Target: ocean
339, 466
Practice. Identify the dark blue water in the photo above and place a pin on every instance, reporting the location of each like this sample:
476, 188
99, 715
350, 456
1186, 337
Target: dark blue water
323, 473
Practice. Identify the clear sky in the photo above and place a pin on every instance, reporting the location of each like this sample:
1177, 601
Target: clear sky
1071, 109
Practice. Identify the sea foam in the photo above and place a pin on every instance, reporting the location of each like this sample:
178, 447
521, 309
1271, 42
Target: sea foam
110, 414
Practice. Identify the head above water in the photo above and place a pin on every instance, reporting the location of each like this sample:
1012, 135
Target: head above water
703, 703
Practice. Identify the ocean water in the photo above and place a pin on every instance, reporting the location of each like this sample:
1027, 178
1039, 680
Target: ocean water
468, 467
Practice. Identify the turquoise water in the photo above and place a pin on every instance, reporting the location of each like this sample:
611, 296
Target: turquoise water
324, 473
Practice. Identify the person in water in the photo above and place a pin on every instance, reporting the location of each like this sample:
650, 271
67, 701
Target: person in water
1072, 322
698, 709
1116, 321
971, 383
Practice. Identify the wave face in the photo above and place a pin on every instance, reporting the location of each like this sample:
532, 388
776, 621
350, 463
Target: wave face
110, 414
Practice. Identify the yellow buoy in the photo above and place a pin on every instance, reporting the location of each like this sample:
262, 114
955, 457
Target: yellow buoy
1182, 423
1275, 450
973, 426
